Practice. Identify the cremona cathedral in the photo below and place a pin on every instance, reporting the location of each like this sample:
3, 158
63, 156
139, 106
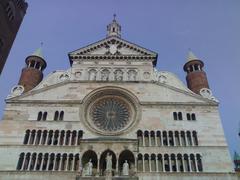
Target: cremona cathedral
112, 115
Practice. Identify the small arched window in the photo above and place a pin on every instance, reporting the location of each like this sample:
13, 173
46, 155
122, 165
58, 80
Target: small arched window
44, 116
56, 115
193, 116
188, 116
37, 65
32, 63
180, 116
39, 118
61, 115
20, 161
175, 116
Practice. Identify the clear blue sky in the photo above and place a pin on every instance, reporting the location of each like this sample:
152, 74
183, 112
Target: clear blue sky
210, 28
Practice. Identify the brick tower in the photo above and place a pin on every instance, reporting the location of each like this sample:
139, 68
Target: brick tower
236, 157
12, 13
196, 76
236, 160
32, 74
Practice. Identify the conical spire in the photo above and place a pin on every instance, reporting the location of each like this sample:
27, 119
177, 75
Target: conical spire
114, 29
191, 56
38, 52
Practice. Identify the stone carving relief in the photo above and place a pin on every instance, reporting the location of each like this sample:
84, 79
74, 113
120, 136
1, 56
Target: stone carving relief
118, 75
162, 79
207, 93
92, 75
16, 91
64, 77
78, 74
146, 75
112, 74
105, 74
132, 75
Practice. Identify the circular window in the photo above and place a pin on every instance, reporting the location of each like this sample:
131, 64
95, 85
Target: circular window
110, 111
110, 114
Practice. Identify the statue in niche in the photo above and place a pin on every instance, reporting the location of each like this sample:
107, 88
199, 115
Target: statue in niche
125, 168
89, 168
132, 75
109, 162
92, 75
105, 75
118, 75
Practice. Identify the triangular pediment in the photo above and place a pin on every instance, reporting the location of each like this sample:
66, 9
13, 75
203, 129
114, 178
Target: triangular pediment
113, 46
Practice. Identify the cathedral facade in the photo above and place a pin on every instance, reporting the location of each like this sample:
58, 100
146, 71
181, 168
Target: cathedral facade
112, 115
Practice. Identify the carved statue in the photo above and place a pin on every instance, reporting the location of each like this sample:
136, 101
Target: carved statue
125, 168
109, 162
105, 75
132, 75
89, 168
92, 75
118, 75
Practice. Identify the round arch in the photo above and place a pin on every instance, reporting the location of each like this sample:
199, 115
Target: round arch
103, 163
90, 154
128, 156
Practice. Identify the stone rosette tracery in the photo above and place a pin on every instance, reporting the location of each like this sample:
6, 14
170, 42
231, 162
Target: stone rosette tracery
110, 111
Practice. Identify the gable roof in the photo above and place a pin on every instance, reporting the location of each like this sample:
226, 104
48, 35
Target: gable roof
51, 94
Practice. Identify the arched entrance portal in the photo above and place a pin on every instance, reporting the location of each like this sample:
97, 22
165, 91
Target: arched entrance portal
85, 159
128, 156
103, 162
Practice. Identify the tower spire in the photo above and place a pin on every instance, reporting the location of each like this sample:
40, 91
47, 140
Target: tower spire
191, 56
114, 28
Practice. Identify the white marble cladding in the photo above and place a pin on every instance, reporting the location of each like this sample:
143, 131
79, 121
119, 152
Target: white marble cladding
112, 71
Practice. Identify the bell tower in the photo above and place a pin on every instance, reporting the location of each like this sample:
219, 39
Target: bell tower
114, 28
32, 74
196, 76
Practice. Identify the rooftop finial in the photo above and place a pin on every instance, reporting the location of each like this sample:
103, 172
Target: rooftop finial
114, 16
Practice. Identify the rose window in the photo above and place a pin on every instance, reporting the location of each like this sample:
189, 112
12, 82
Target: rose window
110, 114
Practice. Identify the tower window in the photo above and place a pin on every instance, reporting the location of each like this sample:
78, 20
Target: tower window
196, 67
10, 11
37, 65
1, 45
113, 29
